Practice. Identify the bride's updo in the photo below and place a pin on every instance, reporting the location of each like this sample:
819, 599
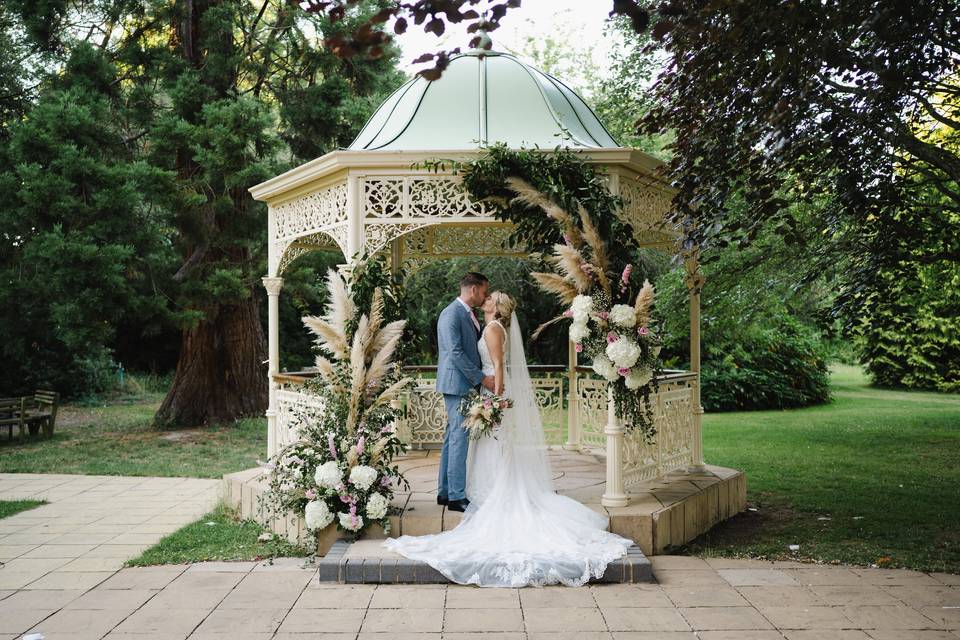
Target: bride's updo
504, 306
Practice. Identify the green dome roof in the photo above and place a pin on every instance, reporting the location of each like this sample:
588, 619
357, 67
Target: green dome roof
483, 97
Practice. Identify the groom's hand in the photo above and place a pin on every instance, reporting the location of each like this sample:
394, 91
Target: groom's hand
489, 382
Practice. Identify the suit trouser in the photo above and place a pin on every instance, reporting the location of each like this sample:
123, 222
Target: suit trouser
452, 482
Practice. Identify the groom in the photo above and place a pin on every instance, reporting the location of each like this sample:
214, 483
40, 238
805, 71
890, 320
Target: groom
459, 371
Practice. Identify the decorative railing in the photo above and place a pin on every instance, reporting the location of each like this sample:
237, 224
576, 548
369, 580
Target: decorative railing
577, 421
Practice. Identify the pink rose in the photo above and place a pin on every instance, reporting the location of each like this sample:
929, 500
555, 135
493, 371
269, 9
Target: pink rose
568, 313
487, 404
643, 331
604, 314
624, 371
612, 337
311, 494
578, 348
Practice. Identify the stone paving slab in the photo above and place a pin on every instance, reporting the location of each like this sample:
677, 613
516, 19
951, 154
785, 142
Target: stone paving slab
286, 600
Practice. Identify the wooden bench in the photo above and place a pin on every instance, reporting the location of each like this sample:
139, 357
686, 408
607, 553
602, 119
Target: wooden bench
34, 413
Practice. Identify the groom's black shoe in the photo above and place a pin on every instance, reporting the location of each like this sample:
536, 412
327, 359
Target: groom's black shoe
442, 500
458, 505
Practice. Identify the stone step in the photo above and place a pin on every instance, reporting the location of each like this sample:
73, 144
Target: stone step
368, 562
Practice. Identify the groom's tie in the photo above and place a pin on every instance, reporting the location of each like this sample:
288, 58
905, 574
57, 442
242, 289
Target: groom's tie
476, 323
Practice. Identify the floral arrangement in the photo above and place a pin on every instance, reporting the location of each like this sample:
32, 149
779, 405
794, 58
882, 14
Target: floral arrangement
483, 413
340, 470
607, 322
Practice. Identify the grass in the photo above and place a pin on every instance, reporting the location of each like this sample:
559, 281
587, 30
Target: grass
871, 478
12, 507
117, 438
219, 535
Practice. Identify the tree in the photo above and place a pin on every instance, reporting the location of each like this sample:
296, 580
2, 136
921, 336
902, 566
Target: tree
212, 89
84, 222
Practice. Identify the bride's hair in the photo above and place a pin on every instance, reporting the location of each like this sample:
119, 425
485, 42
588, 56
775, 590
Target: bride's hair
504, 306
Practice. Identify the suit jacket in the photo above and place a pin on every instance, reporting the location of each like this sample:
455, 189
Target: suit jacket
459, 368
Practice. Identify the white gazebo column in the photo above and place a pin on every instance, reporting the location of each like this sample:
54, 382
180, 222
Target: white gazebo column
355, 213
273, 286
695, 282
573, 401
614, 495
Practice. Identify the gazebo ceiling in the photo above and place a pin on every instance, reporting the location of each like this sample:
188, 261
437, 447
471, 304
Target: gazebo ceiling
483, 97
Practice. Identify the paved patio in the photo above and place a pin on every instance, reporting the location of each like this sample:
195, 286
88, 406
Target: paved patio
709, 600
60, 577
91, 526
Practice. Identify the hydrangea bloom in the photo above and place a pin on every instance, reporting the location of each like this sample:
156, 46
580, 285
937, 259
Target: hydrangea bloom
328, 475
637, 378
317, 515
624, 352
623, 315
579, 332
350, 522
604, 368
581, 307
362, 476
376, 506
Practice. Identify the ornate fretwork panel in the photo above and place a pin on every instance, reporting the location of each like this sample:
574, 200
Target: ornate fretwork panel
378, 235
426, 420
645, 208
672, 446
592, 411
549, 393
291, 405
426, 244
419, 197
315, 214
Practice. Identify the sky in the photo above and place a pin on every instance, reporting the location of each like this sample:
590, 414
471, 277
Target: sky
579, 22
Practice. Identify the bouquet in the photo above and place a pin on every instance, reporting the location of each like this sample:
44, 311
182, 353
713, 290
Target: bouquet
482, 413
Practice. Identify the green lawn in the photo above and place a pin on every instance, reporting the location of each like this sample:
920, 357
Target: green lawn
117, 439
872, 478
217, 536
11, 507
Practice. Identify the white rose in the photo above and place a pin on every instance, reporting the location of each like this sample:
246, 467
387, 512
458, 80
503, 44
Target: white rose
604, 368
350, 523
377, 506
328, 475
623, 315
362, 476
581, 307
637, 378
579, 332
317, 515
623, 352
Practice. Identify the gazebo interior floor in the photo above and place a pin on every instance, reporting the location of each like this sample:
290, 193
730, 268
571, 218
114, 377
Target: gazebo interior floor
662, 513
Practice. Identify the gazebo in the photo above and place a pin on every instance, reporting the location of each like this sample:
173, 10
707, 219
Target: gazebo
378, 195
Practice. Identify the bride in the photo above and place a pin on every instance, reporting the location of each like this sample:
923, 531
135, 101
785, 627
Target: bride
517, 530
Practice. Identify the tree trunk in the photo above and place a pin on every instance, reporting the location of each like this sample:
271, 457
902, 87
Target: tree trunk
221, 374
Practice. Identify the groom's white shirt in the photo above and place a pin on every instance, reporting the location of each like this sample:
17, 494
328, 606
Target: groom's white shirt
473, 317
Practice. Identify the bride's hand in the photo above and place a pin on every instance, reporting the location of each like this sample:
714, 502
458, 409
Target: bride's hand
499, 390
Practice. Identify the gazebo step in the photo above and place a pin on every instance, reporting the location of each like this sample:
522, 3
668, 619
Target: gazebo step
368, 562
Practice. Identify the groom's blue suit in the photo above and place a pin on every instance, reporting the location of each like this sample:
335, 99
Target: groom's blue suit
458, 371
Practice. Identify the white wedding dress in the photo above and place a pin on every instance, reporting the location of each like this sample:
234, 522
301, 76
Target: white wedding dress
517, 530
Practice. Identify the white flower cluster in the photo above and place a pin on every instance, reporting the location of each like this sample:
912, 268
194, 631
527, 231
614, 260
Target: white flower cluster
637, 378
604, 368
317, 515
580, 309
362, 476
328, 475
624, 352
350, 523
623, 315
377, 506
